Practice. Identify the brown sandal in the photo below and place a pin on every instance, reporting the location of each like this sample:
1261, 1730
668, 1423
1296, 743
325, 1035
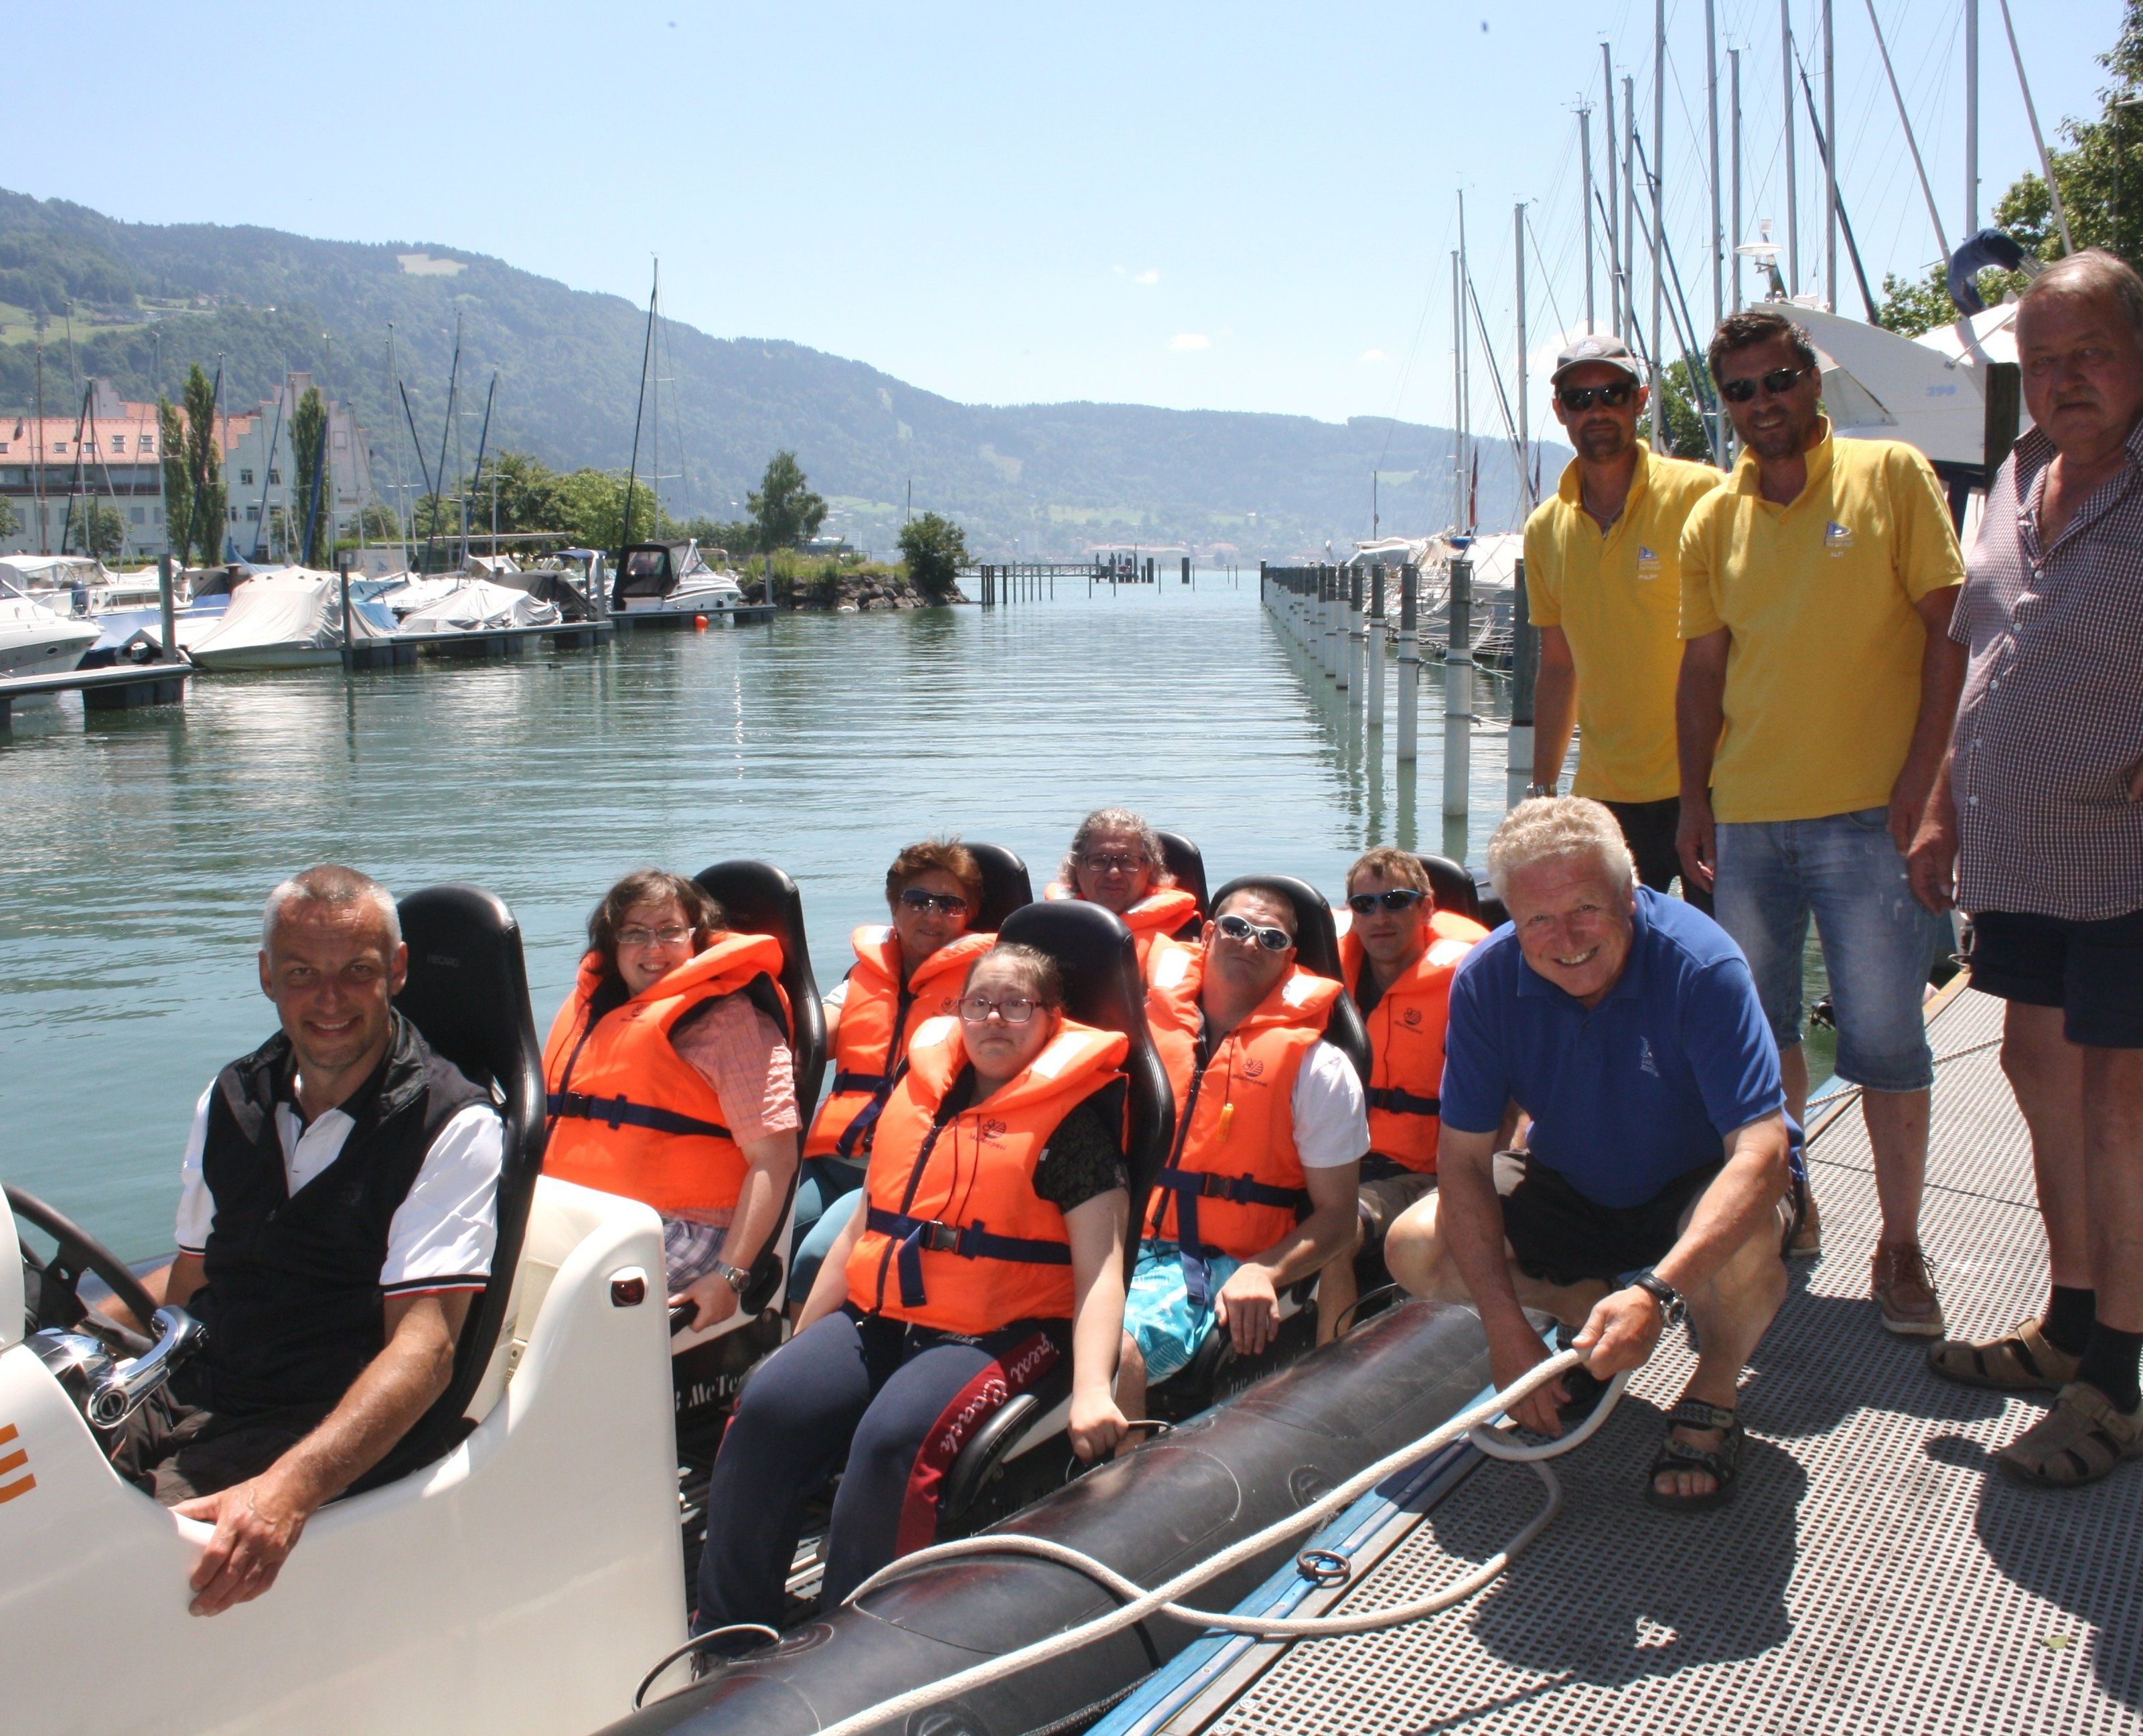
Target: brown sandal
2024, 1362
2078, 1441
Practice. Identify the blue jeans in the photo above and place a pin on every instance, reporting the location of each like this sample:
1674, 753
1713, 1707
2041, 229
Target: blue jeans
825, 1198
1879, 942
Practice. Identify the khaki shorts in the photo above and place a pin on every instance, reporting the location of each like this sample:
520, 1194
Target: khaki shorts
1383, 1200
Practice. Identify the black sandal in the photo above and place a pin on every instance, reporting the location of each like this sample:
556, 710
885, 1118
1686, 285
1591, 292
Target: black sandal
1721, 1463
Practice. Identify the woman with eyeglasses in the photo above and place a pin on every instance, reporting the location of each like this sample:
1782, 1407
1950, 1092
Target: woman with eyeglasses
906, 970
1397, 954
1116, 862
989, 1253
671, 1081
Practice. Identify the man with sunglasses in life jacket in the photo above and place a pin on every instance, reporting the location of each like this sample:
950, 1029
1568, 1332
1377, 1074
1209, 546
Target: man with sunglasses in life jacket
1259, 1191
1116, 862
907, 971
1397, 954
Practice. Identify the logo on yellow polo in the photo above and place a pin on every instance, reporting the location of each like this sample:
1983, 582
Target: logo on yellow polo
1837, 538
1648, 563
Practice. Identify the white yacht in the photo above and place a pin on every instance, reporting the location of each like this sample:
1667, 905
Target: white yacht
36, 640
675, 581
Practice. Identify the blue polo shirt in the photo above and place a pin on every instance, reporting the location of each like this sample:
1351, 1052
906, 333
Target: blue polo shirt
1639, 1090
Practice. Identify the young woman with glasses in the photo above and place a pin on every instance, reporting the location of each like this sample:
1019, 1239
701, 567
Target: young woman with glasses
906, 971
989, 1253
670, 1082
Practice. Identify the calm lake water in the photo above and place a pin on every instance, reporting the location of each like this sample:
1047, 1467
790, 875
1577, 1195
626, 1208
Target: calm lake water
139, 848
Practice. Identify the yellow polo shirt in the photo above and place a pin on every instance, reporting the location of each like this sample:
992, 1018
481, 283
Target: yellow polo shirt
1823, 676
1616, 595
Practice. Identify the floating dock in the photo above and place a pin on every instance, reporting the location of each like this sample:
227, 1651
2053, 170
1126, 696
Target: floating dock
120, 688
1876, 1573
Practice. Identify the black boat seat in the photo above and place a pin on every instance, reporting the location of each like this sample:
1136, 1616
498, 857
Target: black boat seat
1101, 987
1006, 886
467, 992
1452, 886
1183, 860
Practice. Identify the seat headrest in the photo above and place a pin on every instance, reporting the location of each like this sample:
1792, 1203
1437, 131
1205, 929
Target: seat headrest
1096, 953
468, 987
758, 899
1317, 951
1006, 886
1184, 861
1452, 885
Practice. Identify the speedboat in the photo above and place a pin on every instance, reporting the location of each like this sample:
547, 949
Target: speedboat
36, 640
477, 604
675, 581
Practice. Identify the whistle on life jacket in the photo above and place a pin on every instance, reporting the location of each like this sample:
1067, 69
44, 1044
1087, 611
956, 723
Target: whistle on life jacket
1227, 1115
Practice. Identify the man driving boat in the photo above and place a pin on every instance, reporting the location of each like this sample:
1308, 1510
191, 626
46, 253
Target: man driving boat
337, 1210
1259, 1191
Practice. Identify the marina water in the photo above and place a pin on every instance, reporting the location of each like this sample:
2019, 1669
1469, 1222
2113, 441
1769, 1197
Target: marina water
139, 848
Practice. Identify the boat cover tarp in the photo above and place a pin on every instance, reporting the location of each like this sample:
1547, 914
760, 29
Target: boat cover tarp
479, 603
275, 616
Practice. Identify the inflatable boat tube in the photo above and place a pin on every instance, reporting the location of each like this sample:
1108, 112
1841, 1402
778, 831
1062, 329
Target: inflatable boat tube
1176, 1502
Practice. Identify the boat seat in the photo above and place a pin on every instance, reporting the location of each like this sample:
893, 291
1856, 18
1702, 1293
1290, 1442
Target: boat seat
1452, 886
1317, 951
1183, 860
467, 992
1006, 886
1101, 987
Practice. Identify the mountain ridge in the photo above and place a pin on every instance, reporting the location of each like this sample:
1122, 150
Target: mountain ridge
1028, 481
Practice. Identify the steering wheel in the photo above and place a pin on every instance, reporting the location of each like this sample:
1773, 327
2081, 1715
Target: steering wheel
53, 1297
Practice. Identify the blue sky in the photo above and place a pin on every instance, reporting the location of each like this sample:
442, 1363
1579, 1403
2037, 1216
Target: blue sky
1244, 207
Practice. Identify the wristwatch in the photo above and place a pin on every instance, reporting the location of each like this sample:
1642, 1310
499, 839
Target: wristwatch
1539, 789
736, 1277
1672, 1307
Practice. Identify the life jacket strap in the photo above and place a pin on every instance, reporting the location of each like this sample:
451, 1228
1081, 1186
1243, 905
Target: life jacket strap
880, 1087
621, 1112
1398, 1102
845, 1081
1189, 1186
970, 1242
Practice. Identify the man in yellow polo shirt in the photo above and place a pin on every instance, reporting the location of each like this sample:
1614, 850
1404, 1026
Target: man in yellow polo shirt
1818, 688
1603, 583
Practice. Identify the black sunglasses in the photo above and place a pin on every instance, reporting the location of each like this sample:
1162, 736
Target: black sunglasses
1583, 397
1239, 928
944, 903
1400, 897
1778, 381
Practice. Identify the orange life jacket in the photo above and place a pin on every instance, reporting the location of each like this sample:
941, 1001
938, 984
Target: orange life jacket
630, 1115
1406, 1040
954, 1235
1234, 1183
1156, 916
879, 1017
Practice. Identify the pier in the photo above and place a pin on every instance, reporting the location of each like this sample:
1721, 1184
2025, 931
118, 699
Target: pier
121, 688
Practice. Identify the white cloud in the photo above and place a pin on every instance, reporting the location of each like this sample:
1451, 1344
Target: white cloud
1190, 340
1147, 276
1373, 355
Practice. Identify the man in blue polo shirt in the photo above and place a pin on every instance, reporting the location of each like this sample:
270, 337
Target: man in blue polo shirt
1659, 1169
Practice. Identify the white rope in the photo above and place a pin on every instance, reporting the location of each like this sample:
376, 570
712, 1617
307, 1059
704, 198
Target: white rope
1142, 1604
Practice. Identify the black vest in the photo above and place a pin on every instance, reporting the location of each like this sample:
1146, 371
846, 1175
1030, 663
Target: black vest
292, 1301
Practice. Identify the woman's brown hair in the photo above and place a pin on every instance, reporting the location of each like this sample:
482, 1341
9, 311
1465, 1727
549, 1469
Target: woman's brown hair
650, 886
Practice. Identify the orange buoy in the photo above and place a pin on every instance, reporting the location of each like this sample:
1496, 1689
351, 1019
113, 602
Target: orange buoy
699, 624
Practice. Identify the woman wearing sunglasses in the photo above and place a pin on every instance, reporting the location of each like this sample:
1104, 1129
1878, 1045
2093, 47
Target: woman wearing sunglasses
670, 1082
906, 970
1116, 862
997, 1202
1397, 955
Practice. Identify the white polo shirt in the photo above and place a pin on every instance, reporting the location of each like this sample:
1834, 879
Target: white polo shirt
443, 1235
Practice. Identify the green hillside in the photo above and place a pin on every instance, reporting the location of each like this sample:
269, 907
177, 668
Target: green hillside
150, 299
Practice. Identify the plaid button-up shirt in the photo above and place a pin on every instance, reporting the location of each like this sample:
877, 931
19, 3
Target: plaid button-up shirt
2050, 726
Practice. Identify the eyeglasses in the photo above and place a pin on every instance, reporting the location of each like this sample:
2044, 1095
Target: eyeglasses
673, 936
975, 1009
1583, 397
943, 903
1777, 382
1240, 928
1400, 897
1113, 863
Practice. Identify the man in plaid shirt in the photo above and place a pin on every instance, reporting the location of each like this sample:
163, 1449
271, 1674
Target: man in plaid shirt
2041, 820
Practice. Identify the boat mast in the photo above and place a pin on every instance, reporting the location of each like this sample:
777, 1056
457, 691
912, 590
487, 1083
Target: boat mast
44, 525
1465, 370
654, 409
1585, 149
1904, 119
1607, 137
402, 518
1829, 164
1793, 181
2038, 138
446, 428
1525, 466
1734, 97
1971, 117
1457, 402
1632, 329
1654, 173
1711, 125
632, 475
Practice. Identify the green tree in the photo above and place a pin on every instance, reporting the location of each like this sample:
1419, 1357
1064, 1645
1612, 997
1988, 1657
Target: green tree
309, 433
9, 524
95, 529
1686, 437
786, 512
935, 549
178, 481
377, 524
202, 530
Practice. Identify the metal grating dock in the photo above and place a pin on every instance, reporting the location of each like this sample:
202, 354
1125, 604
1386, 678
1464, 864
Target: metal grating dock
1875, 1574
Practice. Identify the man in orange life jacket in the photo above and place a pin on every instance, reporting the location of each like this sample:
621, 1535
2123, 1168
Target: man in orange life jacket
1397, 954
1260, 1190
1116, 862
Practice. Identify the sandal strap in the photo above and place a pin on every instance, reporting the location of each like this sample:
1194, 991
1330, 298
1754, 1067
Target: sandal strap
1696, 1413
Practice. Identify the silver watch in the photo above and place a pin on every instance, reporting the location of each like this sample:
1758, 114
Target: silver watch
736, 1277
1539, 789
